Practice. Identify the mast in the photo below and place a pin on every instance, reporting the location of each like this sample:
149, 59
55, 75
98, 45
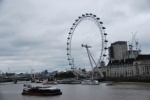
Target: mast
89, 55
91, 59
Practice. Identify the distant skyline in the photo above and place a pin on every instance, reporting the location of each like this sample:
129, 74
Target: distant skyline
34, 32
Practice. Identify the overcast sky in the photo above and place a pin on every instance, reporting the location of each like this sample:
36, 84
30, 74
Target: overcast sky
34, 32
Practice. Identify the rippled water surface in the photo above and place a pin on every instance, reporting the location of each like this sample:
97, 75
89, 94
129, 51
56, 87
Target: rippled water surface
121, 91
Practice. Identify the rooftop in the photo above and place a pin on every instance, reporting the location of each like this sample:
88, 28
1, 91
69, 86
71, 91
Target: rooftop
129, 61
143, 57
119, 42
120, 62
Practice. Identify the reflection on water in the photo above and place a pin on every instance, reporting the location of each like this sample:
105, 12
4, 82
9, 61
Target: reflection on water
121, 91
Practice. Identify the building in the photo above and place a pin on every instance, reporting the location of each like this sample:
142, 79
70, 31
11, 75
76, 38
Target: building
118, 50
125, 63
132, 54
141, 66
120, 68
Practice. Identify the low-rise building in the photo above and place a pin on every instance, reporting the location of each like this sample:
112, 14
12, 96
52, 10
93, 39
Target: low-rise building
120, 68
139, 66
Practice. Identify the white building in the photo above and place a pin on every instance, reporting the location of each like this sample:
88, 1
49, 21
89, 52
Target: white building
126, 63
139, 66
120, 68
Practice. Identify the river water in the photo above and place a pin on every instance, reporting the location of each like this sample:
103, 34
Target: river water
121, 91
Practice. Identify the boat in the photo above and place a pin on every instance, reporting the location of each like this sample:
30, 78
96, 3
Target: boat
38, 81
90, 82
15, 81
27, 85
32, 81
76, 82
41, 91
50, 83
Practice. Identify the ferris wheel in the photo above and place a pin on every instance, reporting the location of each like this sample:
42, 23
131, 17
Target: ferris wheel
86, 42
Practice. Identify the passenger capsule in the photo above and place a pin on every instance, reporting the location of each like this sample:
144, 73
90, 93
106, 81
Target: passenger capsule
102, 61
87, 14
106, 41
103, 28
91, 14
68, 38
80, 17
105, 48
105, 33
74, 24
76, 20
98, 18
94, 15
67, 49
104, 55
71, 28
83, 15
101, 22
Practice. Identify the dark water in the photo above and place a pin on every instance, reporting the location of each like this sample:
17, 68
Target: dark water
121, 91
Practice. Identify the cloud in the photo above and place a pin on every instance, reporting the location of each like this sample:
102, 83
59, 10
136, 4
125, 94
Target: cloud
34, 32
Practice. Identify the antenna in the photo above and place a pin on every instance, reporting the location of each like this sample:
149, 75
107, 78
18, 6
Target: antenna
130, 45
135, 40
133, 46
73, 66
32, 74
134, 52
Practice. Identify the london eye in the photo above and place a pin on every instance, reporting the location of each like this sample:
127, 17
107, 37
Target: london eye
86, 42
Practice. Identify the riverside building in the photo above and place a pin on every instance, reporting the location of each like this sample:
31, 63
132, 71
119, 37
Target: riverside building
125, 63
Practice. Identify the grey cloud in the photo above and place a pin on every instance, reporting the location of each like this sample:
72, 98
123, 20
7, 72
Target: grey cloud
34, 32
140, 6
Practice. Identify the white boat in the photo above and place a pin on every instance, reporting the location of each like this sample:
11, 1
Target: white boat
50, 83
38, 81
90, 82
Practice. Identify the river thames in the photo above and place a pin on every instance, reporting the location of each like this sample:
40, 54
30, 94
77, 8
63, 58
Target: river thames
120, 91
